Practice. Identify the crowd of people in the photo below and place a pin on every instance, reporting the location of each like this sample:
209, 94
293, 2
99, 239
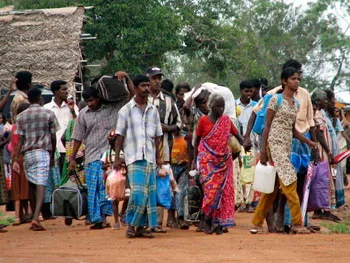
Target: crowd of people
201, 138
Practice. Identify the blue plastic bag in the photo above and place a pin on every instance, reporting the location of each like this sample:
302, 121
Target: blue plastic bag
164, 196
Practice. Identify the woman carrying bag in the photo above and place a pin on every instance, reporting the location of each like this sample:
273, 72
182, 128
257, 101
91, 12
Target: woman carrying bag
276, 148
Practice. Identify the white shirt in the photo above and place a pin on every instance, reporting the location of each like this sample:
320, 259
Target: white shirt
63, 116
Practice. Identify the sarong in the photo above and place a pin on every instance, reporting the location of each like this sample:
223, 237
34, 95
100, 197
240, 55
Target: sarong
98, 205
142, 206
37, 166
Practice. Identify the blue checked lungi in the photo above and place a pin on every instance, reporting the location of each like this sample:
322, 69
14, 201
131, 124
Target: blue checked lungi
98, 205
300, 155
53, 182
181, 176
36, 166
142, 206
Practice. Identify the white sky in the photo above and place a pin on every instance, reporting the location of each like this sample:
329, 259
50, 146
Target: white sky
343, 22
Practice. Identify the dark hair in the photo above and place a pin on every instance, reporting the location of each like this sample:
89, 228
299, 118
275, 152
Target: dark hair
34, 95
3, 118
245, 84
180, 86
55, 85
202, 97
287, 73
292, 63
139, 79
22, 107
90, 92
255, 83
263, 81
330, 94
24, 79
168, 85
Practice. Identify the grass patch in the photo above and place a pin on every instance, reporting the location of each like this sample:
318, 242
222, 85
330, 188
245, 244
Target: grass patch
339, 228
5, 219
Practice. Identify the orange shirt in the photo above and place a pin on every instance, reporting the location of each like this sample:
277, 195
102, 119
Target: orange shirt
179, 154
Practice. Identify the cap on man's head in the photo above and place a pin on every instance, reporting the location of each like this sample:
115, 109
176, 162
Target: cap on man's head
153, 71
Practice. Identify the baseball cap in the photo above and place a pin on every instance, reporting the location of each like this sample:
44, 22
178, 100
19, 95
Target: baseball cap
153, 71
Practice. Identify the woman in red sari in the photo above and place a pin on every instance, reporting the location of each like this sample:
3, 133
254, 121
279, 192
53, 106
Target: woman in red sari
216, 166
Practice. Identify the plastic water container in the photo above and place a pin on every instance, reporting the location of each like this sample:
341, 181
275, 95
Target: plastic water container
264, 179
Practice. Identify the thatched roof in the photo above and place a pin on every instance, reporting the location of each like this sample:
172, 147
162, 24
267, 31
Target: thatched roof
45, 42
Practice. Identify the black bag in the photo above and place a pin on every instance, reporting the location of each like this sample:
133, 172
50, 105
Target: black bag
110, 89
193, 203
70, 200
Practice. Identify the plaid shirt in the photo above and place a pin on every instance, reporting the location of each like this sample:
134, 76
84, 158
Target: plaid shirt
36, 124
140, 131
93, 127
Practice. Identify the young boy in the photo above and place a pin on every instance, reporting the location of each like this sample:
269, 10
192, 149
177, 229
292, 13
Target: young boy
180, 161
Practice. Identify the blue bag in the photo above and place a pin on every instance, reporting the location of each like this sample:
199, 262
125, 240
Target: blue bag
259, 123
261, 115
164, 196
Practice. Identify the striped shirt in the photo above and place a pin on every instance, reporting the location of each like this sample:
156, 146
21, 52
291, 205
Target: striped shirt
36, 124
93, 126
139, 131
169, 115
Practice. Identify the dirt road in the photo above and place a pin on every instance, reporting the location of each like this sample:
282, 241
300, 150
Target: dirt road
62, 244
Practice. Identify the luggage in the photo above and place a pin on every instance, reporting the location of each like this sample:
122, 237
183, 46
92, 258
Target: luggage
193, 203
110, 89
70, 200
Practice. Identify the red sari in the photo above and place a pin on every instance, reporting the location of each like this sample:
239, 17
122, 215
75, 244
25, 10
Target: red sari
216, 168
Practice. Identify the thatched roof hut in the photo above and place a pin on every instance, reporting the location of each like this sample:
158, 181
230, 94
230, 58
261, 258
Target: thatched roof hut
45, 42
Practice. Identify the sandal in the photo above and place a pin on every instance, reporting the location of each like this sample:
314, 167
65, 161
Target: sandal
250, 209
329, 216
158, 230
314, 229
130, 232
36, 226
241, 209
142, 232
17, 222
257, 230
116, 226
299, 230
3, 230
97, 226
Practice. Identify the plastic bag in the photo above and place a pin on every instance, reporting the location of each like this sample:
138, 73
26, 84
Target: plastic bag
319, 187
115, 185
163, 191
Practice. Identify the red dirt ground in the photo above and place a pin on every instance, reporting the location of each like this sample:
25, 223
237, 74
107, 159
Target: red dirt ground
61, 244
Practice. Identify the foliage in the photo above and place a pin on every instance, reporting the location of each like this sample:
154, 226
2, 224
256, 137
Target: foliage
214, 40
6, 220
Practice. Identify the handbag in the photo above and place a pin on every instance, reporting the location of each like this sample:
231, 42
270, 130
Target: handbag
319, 187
